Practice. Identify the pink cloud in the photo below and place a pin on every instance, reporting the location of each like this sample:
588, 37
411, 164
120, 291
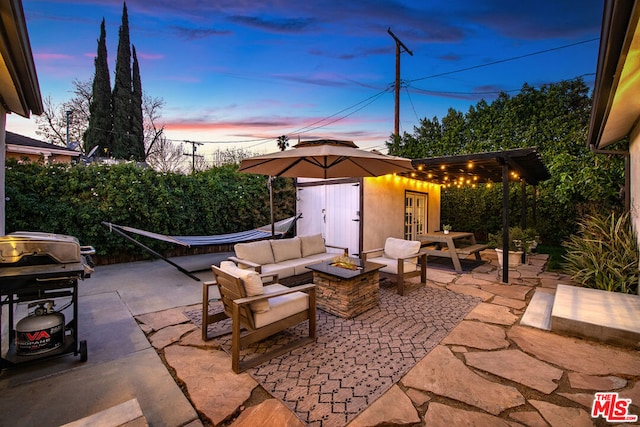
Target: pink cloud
52, 56
150, 56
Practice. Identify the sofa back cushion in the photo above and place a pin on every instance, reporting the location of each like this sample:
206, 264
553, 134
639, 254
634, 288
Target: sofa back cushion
311, 245
399, 248
258, 252
285, 249
252, 284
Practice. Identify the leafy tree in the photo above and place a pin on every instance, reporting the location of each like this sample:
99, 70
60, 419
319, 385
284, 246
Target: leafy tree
283, 142
98, 132
554, 118
122, 90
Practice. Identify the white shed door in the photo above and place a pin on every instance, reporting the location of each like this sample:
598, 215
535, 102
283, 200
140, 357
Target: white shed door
334, 211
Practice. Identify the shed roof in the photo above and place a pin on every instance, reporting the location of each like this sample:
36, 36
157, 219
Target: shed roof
523, 163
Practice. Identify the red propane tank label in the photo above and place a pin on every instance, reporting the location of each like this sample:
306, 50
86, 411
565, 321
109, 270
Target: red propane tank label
34, 342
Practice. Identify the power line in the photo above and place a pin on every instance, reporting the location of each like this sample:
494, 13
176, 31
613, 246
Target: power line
540, 52
371, 99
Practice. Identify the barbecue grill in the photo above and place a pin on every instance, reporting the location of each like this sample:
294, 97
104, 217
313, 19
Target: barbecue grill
41, 269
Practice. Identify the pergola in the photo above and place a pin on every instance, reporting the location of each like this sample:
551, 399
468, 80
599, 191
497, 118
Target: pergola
522, 165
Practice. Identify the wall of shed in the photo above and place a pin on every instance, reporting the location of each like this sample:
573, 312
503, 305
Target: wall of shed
383, 208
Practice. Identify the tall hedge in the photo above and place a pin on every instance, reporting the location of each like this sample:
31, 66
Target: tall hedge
74, 200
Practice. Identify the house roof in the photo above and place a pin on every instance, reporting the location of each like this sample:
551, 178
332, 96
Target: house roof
523, 163
616, 105
24, 144
19, 88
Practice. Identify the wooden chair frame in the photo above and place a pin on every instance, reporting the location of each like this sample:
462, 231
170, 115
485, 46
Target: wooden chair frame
402, 275
243, 329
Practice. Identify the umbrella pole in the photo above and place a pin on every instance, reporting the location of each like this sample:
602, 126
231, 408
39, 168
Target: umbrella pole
273, 224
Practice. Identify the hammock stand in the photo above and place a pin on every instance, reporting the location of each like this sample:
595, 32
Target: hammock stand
280, 229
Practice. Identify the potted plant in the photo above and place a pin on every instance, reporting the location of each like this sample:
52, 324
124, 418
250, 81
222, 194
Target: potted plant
520, 242
446, 228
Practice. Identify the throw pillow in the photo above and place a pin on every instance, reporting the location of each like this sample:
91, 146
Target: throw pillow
285, 249
252, 284
311, 245
258, 252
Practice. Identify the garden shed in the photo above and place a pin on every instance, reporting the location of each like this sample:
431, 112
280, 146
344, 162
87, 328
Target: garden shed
360, 213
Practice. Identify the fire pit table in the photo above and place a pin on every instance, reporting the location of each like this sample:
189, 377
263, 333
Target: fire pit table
346, 292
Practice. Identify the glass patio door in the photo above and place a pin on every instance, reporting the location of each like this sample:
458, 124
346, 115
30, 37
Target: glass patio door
415, 215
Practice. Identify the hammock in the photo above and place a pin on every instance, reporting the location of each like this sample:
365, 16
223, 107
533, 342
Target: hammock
280, 229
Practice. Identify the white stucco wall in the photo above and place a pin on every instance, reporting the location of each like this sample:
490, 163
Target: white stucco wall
383, 208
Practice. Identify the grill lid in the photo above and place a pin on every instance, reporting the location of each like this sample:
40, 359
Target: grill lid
24, 248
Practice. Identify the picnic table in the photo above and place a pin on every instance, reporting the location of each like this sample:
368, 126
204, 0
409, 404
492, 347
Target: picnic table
451, 245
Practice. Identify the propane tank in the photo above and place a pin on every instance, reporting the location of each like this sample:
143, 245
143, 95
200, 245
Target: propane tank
41, 331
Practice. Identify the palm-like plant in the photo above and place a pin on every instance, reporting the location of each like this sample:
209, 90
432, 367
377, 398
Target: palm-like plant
604, 254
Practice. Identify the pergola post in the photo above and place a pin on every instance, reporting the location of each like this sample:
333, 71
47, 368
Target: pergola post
505, 222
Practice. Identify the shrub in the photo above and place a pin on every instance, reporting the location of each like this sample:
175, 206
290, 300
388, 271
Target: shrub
521, 240
604, 254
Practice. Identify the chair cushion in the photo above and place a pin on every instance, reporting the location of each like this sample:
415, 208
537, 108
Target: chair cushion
252, 284
285, 249
282, 306
392, 265
311, 245
258, 252
400, 248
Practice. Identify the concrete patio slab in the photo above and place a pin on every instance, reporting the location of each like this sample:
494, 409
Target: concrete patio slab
610, 317
90, 389
538, 313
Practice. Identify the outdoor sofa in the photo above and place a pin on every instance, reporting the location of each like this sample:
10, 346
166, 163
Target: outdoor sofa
288, 258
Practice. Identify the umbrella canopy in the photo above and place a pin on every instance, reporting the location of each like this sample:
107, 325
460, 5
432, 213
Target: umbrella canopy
325, 158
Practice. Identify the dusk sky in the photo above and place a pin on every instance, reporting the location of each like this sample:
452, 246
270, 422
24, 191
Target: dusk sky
237, 73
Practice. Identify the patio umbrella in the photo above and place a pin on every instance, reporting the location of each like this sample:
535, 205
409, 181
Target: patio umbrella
325, 158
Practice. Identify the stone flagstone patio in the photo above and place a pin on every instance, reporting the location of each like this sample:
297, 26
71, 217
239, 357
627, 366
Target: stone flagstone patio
489, 370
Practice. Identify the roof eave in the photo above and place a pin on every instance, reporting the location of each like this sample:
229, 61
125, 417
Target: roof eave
15, 49
619, 21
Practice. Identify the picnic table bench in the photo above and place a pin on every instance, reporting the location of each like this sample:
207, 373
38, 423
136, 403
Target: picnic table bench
451, 245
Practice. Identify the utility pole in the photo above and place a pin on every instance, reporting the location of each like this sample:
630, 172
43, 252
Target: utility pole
399, 44
193, 154
68, 113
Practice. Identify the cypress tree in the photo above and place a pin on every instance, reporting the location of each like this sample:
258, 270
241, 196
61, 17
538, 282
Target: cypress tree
136, 111
122, 90
100, 121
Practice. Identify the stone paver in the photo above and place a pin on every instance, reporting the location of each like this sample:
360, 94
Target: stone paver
491, 313
509, 302
562, 416
394, 407
442, 373
508, 291
456, 383
574, 354
439, 415
529, 418
591, 382
271, 413
212, 386
516, 366
477, 335
474, 291
162, 319
170, 334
